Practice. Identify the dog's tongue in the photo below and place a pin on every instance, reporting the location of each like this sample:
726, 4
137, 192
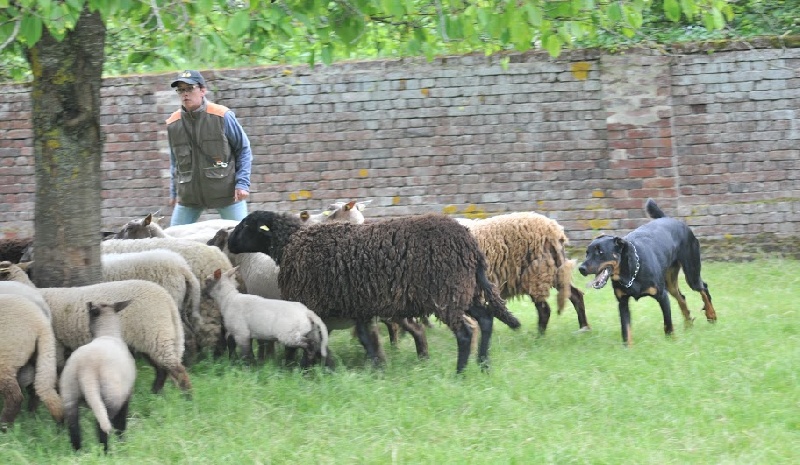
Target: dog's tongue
601, 279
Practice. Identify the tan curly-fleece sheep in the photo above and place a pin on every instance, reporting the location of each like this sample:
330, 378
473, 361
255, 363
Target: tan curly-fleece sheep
526, 253
25, 332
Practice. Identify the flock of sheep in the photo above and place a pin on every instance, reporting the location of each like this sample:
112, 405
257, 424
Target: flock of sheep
170, 294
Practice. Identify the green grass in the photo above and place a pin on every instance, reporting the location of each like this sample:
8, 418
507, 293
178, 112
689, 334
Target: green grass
724, 394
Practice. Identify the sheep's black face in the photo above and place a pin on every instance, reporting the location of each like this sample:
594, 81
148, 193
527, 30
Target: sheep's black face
252, 234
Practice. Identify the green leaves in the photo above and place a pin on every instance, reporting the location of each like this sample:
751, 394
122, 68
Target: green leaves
672, 10
239, 33
31, 29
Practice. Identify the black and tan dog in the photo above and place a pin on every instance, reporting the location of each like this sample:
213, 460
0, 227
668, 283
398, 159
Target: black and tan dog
646, 262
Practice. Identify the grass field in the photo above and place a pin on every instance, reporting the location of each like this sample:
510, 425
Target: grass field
727, 393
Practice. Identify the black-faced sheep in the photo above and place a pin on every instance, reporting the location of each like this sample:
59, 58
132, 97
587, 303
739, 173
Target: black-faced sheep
24, 333
395, 268
248, 317
101, 373
526, 255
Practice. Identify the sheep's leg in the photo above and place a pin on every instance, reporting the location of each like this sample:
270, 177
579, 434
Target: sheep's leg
33, 398
266, 349
245, 348
289, 356
230, 344
464, 340
368, 336
393, 328
12, 400
120, 420
102, 436
73, 422
485, 322
576, 297
417, 331
543, 308
161, 375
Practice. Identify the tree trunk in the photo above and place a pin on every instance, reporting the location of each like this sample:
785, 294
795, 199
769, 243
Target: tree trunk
68, 147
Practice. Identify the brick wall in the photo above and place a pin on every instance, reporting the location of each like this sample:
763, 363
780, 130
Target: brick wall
583, 138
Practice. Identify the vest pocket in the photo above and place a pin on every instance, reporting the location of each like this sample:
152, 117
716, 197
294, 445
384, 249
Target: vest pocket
218, 172
184, 177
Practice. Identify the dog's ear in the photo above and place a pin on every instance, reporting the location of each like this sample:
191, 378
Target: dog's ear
619, 243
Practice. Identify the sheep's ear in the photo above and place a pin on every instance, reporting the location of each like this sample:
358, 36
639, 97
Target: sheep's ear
232, 271
264, 227
148, 219
327, 213
349, 205
217, 274
120, 306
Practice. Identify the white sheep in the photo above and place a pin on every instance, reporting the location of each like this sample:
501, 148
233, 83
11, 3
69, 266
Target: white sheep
169, 270
101, 373
151, 324
338, 211
196, 231
203, 260
25, 331
249, 317
28, 291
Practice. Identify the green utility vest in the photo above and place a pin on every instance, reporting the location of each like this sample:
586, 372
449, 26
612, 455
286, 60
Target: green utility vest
205, 173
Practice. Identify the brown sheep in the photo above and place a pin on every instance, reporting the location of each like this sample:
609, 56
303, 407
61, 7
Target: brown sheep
526, 255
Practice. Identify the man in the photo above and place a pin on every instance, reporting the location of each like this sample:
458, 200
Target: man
210, 155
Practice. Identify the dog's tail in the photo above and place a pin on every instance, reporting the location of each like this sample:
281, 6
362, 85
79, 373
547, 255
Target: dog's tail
652, 209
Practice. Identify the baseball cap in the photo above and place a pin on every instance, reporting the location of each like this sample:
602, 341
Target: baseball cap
189, 76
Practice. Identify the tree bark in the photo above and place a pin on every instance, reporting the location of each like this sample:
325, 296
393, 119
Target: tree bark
68, 147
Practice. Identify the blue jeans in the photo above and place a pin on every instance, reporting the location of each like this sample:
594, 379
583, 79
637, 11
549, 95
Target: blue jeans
187, 215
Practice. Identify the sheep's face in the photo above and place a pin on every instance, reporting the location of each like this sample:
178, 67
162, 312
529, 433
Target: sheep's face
264, 231
142, 228
250, 235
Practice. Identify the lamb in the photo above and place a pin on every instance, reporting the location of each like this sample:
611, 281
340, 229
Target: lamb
338, 211
527, 256
249, 317
169, 270
258, 271
395, 268
25, 331
203, 260
101, 373
151, 324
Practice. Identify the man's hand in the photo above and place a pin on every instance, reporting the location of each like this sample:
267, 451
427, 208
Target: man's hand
240, 194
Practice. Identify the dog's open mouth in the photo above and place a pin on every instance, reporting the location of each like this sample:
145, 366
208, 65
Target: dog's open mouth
601, 278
